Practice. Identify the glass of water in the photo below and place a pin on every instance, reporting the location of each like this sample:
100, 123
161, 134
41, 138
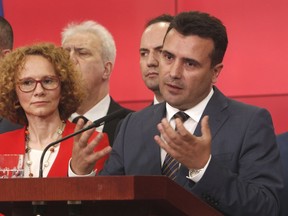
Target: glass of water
11, 165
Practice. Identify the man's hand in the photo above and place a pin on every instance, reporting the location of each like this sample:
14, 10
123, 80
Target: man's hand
83, 156
189, 150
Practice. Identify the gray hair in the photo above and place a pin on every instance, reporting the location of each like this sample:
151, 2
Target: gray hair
107, 41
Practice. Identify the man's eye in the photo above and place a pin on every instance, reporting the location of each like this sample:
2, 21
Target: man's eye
83, 53
143, 54
167, 56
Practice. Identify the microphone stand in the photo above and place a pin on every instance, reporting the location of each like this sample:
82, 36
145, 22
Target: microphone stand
96, 123
38, 206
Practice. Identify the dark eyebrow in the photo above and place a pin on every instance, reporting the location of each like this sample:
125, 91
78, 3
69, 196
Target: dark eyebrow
143, 50
168, 53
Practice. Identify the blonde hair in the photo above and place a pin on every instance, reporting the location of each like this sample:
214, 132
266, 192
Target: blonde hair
72, 92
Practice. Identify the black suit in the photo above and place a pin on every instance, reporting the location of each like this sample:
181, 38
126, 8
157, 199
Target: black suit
110, 127
6, 125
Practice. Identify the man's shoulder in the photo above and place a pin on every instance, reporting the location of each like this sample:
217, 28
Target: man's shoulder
6, 125
150, 112
115, 106
282, 140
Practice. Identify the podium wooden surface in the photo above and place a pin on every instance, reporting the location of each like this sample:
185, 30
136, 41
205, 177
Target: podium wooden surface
113, 195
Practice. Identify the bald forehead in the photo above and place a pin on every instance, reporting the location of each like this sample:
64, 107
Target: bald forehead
156, 28
154, 34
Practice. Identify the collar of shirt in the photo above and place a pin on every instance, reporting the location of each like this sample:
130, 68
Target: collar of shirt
98, 111
195, 112
155, 101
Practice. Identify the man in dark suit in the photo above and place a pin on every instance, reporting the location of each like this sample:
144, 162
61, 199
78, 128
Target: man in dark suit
92, 48
282, 141
6, 45
224, 153
150, 49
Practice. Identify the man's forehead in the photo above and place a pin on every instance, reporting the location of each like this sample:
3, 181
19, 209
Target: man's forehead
81, 40
72, 45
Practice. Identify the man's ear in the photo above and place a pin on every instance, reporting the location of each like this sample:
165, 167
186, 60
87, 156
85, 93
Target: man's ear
108, 70
216, 71
6, 51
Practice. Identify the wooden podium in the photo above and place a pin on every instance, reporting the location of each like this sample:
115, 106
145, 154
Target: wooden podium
113, 195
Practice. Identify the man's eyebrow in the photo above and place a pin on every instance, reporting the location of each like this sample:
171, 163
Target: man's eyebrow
143, 49
195, 62
79, 48
167, 52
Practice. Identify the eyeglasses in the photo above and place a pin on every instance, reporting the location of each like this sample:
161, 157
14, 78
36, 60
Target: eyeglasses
47, 83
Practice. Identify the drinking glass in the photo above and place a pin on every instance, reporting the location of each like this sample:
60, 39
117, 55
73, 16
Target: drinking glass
11, 165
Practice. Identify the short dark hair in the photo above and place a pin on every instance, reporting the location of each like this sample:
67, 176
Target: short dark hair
162, 18
205, 26
6, 34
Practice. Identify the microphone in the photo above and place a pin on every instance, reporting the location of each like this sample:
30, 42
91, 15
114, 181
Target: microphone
96, 123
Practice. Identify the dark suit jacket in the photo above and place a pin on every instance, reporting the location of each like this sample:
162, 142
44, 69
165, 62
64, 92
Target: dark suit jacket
282, 141
110, 127
6, 125
243, 176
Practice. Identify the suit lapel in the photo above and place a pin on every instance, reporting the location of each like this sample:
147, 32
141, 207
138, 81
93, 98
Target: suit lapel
111, 126
216, 109
150, 129
113, 106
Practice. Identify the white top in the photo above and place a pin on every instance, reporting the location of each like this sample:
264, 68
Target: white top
35, 156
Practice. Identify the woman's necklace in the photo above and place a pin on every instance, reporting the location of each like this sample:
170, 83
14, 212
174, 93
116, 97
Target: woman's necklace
29, 162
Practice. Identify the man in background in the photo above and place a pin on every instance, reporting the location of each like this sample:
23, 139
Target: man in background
150, 50
6, 45
93, 50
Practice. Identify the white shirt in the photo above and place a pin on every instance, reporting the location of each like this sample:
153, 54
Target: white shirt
195, 114
98, 111
155, 101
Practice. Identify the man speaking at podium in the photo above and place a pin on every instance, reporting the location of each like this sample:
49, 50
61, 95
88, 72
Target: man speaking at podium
222, 151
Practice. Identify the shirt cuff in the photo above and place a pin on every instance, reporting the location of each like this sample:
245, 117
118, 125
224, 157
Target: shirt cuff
72, 174
197, 176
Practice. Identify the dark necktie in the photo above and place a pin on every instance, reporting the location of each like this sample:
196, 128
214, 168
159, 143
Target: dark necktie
170, 166
75, 120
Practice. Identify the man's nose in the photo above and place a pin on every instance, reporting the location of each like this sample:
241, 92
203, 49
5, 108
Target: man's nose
152, 60
176, 69
73, 56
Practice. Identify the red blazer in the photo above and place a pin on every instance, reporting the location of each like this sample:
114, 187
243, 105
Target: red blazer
13, 142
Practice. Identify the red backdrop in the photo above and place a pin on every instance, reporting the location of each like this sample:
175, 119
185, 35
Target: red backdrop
254, 66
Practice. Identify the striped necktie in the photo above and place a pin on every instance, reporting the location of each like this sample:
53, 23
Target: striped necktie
171, 166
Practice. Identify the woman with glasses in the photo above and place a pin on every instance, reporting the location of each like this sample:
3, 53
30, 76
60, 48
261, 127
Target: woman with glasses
40, 89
